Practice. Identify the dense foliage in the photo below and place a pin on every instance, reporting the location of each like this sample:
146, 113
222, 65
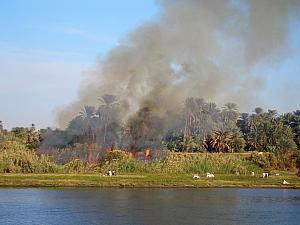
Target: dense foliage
16, 157
197, 127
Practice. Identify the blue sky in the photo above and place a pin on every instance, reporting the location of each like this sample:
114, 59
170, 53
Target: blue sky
47, 46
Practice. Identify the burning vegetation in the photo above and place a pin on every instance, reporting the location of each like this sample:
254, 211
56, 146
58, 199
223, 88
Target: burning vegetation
199, 126
155, 83
159, 90
177, 142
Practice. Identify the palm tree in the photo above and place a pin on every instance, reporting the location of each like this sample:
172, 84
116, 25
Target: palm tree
221, 141
188, 121
293, 120
192, 114
201, 118
106, 112
269, 132
88, 115
212, 110
230, 113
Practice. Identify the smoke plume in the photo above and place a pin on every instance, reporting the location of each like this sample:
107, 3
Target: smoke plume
193, 48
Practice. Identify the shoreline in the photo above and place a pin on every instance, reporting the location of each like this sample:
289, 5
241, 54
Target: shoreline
147, 181
154, 187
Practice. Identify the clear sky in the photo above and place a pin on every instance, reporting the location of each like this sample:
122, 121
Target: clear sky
46, 47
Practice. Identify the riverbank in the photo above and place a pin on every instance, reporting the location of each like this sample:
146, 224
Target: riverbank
147, 180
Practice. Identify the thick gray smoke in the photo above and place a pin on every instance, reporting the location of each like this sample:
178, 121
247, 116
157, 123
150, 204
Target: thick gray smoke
193, 48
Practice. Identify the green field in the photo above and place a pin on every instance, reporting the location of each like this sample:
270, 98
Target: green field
146, 180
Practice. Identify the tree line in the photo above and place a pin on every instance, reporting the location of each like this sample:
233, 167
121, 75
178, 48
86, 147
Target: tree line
199, 126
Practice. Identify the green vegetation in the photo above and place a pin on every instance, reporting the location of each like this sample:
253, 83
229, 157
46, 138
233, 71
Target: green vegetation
181, 163
197, 126
15, 158
147, 180
197, 139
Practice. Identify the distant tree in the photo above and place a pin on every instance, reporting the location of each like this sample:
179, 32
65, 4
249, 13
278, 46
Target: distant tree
27, 136
238, 142
258, 110
267, 132
194, 145
201, 118
191, 111
173, 137
88, 118
221, 141
242, 124
83, 129
108, 117
33, 137
143, 130
229, 125
293, 120
230, 113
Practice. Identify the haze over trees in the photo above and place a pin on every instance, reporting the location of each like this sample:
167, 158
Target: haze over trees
198, 126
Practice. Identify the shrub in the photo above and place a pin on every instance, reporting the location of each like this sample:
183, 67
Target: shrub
280, 161
75, 166
181, 163
209, 162
16, 158
116, 155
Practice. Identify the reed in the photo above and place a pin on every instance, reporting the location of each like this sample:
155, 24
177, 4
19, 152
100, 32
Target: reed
185, 163
16, 158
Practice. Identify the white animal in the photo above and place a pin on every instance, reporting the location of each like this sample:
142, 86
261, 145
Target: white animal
265, 174
210, 175
277, 174
196, 176
260, 153
252, 174
285, 182
109, 173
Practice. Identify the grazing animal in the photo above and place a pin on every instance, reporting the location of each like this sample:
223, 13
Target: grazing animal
210, 175
277, 174
196, 176
285, 182
109, 173
252, 174
265, 174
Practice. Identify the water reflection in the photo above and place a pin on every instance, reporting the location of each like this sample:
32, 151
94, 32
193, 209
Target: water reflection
148, 206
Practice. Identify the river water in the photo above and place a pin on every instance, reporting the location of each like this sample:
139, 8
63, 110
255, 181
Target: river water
154, 206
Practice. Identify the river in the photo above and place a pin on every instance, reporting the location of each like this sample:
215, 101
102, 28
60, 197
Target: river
153, 206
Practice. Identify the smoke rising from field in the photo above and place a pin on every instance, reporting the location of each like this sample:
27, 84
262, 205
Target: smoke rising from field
192, 48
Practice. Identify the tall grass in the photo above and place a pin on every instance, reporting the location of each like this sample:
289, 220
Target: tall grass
16, 158
75, 166
286, 160
185, 163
